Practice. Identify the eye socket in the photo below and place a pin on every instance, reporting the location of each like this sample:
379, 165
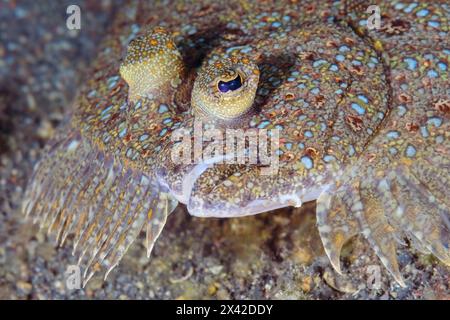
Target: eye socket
225, 86
225, 89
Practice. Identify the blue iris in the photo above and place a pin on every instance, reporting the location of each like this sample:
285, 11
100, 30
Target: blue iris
225, 86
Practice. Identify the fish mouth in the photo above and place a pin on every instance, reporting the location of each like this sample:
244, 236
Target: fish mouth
201, 207
208, 202
219, 186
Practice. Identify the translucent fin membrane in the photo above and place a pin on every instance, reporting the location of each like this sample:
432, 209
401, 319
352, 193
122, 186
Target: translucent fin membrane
77, 189
336, 223
383, 209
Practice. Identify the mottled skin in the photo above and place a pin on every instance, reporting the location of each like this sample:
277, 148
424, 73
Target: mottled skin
363, 120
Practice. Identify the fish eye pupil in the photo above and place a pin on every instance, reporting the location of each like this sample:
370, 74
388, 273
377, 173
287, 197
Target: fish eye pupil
225, 86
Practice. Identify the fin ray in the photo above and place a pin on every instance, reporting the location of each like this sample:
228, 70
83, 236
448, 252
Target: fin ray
78, 190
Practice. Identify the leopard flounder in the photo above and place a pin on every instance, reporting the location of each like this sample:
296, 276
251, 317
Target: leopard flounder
362, 117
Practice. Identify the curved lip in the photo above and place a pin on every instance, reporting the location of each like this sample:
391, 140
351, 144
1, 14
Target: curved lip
257, 206
296, 199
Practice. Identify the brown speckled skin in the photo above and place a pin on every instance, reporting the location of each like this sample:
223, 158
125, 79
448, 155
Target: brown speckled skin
363, 120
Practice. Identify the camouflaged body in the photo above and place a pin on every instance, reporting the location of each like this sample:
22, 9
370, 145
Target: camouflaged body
363, 119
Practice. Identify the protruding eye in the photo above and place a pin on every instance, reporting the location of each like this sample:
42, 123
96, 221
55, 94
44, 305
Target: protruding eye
152, 66
225, 89
225, 86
